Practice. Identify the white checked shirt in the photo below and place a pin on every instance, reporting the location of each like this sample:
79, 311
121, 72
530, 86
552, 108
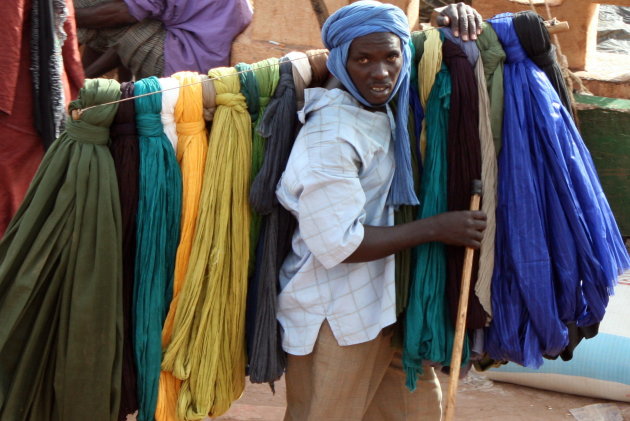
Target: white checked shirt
337, 179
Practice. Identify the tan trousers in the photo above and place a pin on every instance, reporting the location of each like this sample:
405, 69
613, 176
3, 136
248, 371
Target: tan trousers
363, 382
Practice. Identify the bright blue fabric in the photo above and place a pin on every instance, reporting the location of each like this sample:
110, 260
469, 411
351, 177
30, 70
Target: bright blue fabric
559, 250
340, 29
428, 330
158, 220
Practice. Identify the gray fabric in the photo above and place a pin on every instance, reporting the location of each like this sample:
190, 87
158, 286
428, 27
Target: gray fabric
613, 29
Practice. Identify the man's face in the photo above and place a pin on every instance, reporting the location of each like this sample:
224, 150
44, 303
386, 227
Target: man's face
374, 63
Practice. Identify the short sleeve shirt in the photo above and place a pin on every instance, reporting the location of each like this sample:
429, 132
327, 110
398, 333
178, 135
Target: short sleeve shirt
336, 181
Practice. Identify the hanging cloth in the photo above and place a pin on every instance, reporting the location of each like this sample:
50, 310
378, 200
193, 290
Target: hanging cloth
302, 75
47, 37
428, 329
207, 349
464, 166
61, 278
158, 220
126, 155
493, 56
428, 68
170, 86
556, 232
192, 148
535, 40
489, 202
278, 125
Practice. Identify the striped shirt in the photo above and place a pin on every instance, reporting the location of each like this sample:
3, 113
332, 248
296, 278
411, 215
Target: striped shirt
337, 179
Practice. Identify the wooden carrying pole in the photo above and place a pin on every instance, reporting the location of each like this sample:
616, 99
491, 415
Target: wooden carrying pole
462, 309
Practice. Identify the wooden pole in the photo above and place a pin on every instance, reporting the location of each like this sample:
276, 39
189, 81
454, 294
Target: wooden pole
321, 11
462, 309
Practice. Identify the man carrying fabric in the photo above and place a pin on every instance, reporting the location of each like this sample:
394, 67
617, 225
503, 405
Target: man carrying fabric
348, 168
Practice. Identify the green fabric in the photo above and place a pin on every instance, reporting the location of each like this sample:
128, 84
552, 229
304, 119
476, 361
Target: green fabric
267, 76
157, 236
61, 278
493, 57
428, 331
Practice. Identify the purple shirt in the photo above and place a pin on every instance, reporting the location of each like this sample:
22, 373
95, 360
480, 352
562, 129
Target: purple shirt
199, 33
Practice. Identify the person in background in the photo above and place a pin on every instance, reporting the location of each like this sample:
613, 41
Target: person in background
158, 38
337, 305
32, 114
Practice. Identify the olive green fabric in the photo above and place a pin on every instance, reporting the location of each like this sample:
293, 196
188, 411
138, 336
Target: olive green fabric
61, 279
493, 57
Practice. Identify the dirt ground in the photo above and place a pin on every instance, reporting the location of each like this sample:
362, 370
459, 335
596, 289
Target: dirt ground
478, 399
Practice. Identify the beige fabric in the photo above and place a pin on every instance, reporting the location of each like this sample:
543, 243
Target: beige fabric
209, 98
489, 202
363, 382
302, 75
428, 67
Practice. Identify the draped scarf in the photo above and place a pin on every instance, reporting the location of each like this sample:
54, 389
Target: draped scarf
170, 95
464, 166
428, 330
192, 148
536, 41
278, 125
158, 220
428, 67
555, 230
493, 56
340, 29
207, 348
47, 38
126, 155
61, 278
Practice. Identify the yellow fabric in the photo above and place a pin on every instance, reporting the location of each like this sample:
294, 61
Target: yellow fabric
207, 349
489, 176
429, 66
192, 148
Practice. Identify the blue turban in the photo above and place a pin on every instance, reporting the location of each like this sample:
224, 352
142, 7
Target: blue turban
340, 29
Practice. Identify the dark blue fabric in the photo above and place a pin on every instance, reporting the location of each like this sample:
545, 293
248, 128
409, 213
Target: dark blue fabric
559, 250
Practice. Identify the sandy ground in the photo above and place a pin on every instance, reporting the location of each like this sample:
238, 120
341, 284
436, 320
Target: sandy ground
478, 399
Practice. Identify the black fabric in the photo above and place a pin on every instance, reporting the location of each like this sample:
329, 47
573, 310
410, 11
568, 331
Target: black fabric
464, 166
536, 42
267, 360
126, 155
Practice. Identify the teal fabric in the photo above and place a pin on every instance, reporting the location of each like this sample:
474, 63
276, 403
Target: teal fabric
61, 278
428, 330
158, 220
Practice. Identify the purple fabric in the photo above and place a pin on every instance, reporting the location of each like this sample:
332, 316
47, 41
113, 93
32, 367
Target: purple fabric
199, 33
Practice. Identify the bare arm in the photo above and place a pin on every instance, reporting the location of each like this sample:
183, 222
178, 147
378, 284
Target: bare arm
460, 228
107, 61
114, 13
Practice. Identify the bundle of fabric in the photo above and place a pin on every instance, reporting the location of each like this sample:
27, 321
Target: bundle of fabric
207, 348
267, 359
556, 233
192, 148
61, 278
158, 219
125, 152
428, 330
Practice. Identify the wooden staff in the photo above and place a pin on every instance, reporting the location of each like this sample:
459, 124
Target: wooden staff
462, 309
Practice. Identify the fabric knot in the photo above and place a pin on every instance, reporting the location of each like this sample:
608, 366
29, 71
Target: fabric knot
264, 101
83, 132
249, 88
190, 128
236, 101
149, 125
123, 129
